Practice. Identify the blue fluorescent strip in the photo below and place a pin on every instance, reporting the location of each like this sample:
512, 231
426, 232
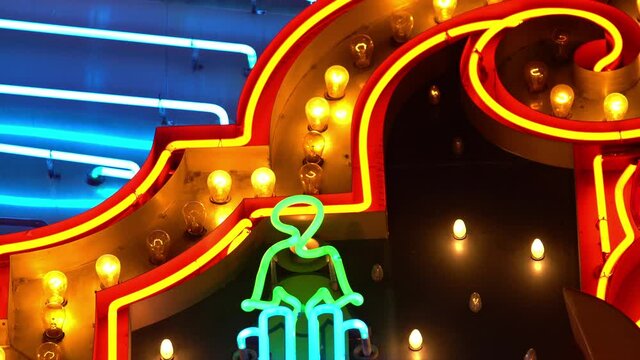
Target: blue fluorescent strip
48, 203
116, 99
100, 161
132, 37
77, 137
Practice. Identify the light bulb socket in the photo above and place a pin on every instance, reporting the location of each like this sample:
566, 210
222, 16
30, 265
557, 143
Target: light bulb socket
102, 286
359, 351
63, 303
460, 237
326, 96
95, 181
309, 128
220, 202
53, 335
245, 354
319, 161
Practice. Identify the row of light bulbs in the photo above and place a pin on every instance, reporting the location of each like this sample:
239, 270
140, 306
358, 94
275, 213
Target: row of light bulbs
615, 105
460, 233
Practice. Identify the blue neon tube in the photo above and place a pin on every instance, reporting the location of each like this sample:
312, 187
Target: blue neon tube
132, 37
116, 99
123, 165
76, 137
35, 202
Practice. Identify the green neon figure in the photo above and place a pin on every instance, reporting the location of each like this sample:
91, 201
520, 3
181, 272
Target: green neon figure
290, 307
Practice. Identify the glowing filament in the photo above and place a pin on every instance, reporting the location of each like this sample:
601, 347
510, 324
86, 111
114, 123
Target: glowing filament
263, 181
535, 75
561, 100
361, 50
166, 350
459, 229
537, 250
108, 270
336, 79
415, 340
615, 106
219, 184
158, 243
54, 284
443, 9
317, 110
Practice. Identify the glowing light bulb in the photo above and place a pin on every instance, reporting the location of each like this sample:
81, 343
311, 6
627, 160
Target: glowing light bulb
537, 250
313, 146
561, 97
54, 284
535, 75
263, 181
401, 26
443, 9
311, 244
166, 350
459, 229
108, 270
615, 106
195, 216
3, 356
638, 6
361, 50
434, 95
49, 351
311, 178
317, 110
219, 184
53, 317
341, 113
415, 340
475, 302
158, 242
336, 79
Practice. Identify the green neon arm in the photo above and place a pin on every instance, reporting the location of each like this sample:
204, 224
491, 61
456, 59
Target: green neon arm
280, 295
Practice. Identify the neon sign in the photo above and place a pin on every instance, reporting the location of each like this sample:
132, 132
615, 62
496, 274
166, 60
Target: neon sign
283, 304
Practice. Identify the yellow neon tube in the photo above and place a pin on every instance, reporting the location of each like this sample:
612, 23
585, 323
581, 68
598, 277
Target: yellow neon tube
603, 224
528, 124
626, 226
240, 230
69, 233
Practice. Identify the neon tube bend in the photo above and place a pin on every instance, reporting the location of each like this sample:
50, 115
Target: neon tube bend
140, 38
116, 100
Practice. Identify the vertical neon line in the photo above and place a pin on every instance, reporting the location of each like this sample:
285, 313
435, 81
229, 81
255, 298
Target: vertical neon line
314, 331
290, 332
626, 226
603, 224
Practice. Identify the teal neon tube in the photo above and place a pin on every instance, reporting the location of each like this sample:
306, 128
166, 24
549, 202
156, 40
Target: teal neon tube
111, 172
76, 137
140, 38
289, 329
116, 99
123, 165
